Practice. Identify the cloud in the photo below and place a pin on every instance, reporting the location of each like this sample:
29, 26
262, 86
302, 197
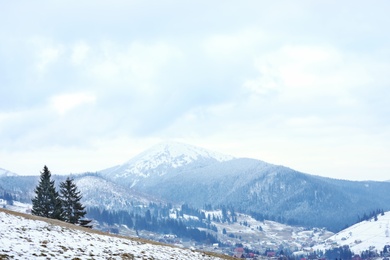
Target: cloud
236, 46
79, 53
135, 64
66, 102
252, 77
311, 71
47, 53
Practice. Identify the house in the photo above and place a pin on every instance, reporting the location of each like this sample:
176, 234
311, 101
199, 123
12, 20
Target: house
238, 252
271, 254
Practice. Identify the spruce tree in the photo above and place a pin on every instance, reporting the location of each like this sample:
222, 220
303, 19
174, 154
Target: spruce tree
46, 202
70, 196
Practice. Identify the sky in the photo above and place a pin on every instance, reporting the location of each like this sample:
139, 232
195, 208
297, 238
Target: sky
86, 85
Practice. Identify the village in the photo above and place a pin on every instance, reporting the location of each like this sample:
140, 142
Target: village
273, 240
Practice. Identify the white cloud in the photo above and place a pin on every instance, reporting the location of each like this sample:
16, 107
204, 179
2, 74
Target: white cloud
237, 45
46, 53
80, 53
4, 116
307, 72
64, 103
136, 65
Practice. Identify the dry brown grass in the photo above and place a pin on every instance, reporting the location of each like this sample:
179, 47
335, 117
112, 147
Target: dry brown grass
93, 231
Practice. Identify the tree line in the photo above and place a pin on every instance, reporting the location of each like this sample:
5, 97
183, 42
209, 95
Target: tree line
64, 205
8, 197
372, 215
151, 221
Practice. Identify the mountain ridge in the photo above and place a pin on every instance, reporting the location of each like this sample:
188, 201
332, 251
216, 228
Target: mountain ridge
255, 185
249, 185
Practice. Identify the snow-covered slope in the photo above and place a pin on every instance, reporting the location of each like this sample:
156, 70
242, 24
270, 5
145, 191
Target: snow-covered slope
6, 173
262, 235
98, 192
365, 235
161, 159
27, 238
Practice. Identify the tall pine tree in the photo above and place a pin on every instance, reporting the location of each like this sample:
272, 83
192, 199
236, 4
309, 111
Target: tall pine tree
47, 202
70, 196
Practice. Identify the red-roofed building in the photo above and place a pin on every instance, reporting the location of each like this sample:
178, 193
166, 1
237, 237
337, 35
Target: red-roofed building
238, 252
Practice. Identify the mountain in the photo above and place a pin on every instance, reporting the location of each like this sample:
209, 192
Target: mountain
96, 191
21, 187
181, 173
99, 192
287, 195
6, 173
168, 158
30, 237
371, 235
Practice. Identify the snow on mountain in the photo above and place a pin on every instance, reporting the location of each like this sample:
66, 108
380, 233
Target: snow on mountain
365, 235
6, 173
100, 192
27, 237
163, 158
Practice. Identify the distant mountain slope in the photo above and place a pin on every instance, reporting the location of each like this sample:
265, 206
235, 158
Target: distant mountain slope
30, 237
6, 173
366, 235
96, 191
288, 195
99, 192
21, 187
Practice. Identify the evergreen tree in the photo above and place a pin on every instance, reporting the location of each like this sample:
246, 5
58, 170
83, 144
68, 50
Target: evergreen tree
70, 197
47, 202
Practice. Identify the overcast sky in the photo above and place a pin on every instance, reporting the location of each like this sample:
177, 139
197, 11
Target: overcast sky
86, 85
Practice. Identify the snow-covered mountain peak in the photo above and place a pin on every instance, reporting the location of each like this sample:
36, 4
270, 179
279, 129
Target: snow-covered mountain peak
169, 152
165, 157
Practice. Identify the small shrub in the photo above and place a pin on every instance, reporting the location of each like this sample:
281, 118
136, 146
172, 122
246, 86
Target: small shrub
127, 256
64, 248
4, 257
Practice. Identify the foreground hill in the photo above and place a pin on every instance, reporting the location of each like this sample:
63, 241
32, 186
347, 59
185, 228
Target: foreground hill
370, 235
29, 237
